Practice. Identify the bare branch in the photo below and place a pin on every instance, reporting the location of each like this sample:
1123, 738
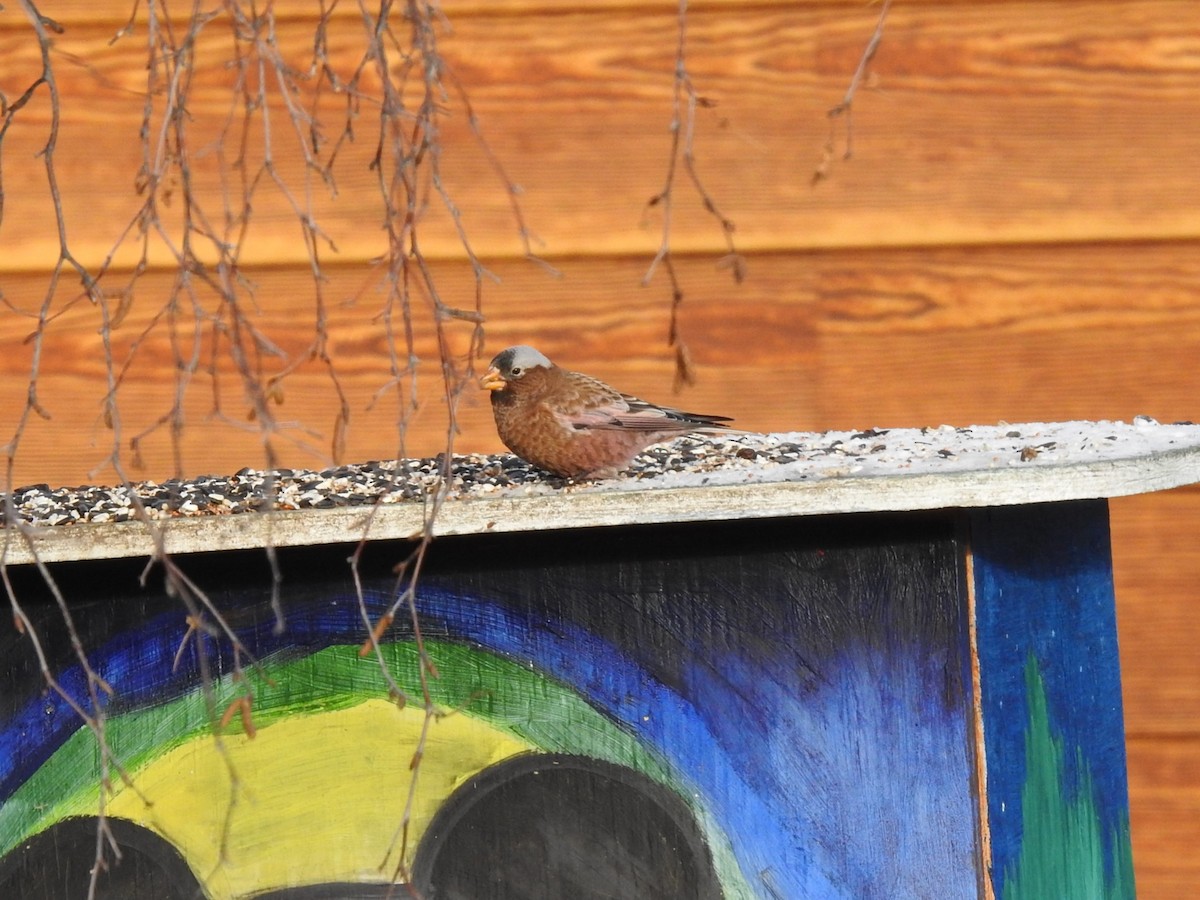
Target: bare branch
845, 108
685, 102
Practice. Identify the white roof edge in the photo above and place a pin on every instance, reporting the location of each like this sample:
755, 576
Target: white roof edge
640, 503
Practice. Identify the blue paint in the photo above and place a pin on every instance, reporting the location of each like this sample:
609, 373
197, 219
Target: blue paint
870, 771
1043, 578
671, 724
827, 738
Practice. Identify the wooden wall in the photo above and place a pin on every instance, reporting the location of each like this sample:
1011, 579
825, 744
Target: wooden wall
1016, 238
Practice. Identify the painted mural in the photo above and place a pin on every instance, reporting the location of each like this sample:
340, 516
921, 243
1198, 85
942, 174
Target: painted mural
752, 710
1058, 805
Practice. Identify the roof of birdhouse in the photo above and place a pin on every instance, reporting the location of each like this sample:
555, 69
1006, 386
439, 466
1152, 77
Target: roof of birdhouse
690, 479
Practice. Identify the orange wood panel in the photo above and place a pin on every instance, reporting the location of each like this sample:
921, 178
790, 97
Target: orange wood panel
1164, 804
1156, 558
810, 341
993, 122
117, 12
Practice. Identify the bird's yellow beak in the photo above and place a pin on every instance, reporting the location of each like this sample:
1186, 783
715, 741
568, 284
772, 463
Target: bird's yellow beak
492, 381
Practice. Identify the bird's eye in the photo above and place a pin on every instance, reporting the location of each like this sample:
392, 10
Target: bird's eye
516, 371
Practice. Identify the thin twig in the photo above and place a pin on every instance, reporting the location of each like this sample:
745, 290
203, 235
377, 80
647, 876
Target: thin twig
685, 102
845, 108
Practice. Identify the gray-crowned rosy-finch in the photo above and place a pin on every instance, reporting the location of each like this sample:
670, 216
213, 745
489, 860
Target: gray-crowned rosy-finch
572, 424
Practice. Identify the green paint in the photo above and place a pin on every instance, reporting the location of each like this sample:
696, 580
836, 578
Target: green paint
509, 697
1062, 852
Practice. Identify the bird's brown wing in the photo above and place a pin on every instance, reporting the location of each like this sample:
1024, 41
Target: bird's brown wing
588, 404
651, 417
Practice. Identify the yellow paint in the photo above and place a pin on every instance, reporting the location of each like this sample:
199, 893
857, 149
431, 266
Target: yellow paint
319, 797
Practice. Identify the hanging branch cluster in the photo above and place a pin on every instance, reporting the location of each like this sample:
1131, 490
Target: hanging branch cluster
686, 101
90, 708
407, 164
198, 192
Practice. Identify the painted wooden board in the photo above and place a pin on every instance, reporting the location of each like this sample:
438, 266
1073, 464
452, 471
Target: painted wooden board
764, 710
1050, 703
915, 704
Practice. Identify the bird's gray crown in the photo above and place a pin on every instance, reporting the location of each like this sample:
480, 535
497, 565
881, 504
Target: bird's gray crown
520, 357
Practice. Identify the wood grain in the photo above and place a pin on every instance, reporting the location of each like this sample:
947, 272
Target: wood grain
77, 12
994, 122
1155, 561
810, 341
1017, 238
1164, 802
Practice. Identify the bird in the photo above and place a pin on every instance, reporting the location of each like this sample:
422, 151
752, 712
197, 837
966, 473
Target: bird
574, 425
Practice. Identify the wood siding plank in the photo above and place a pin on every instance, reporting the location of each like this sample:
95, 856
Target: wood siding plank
1164, 805
810, 341
1155, 560
991, 123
